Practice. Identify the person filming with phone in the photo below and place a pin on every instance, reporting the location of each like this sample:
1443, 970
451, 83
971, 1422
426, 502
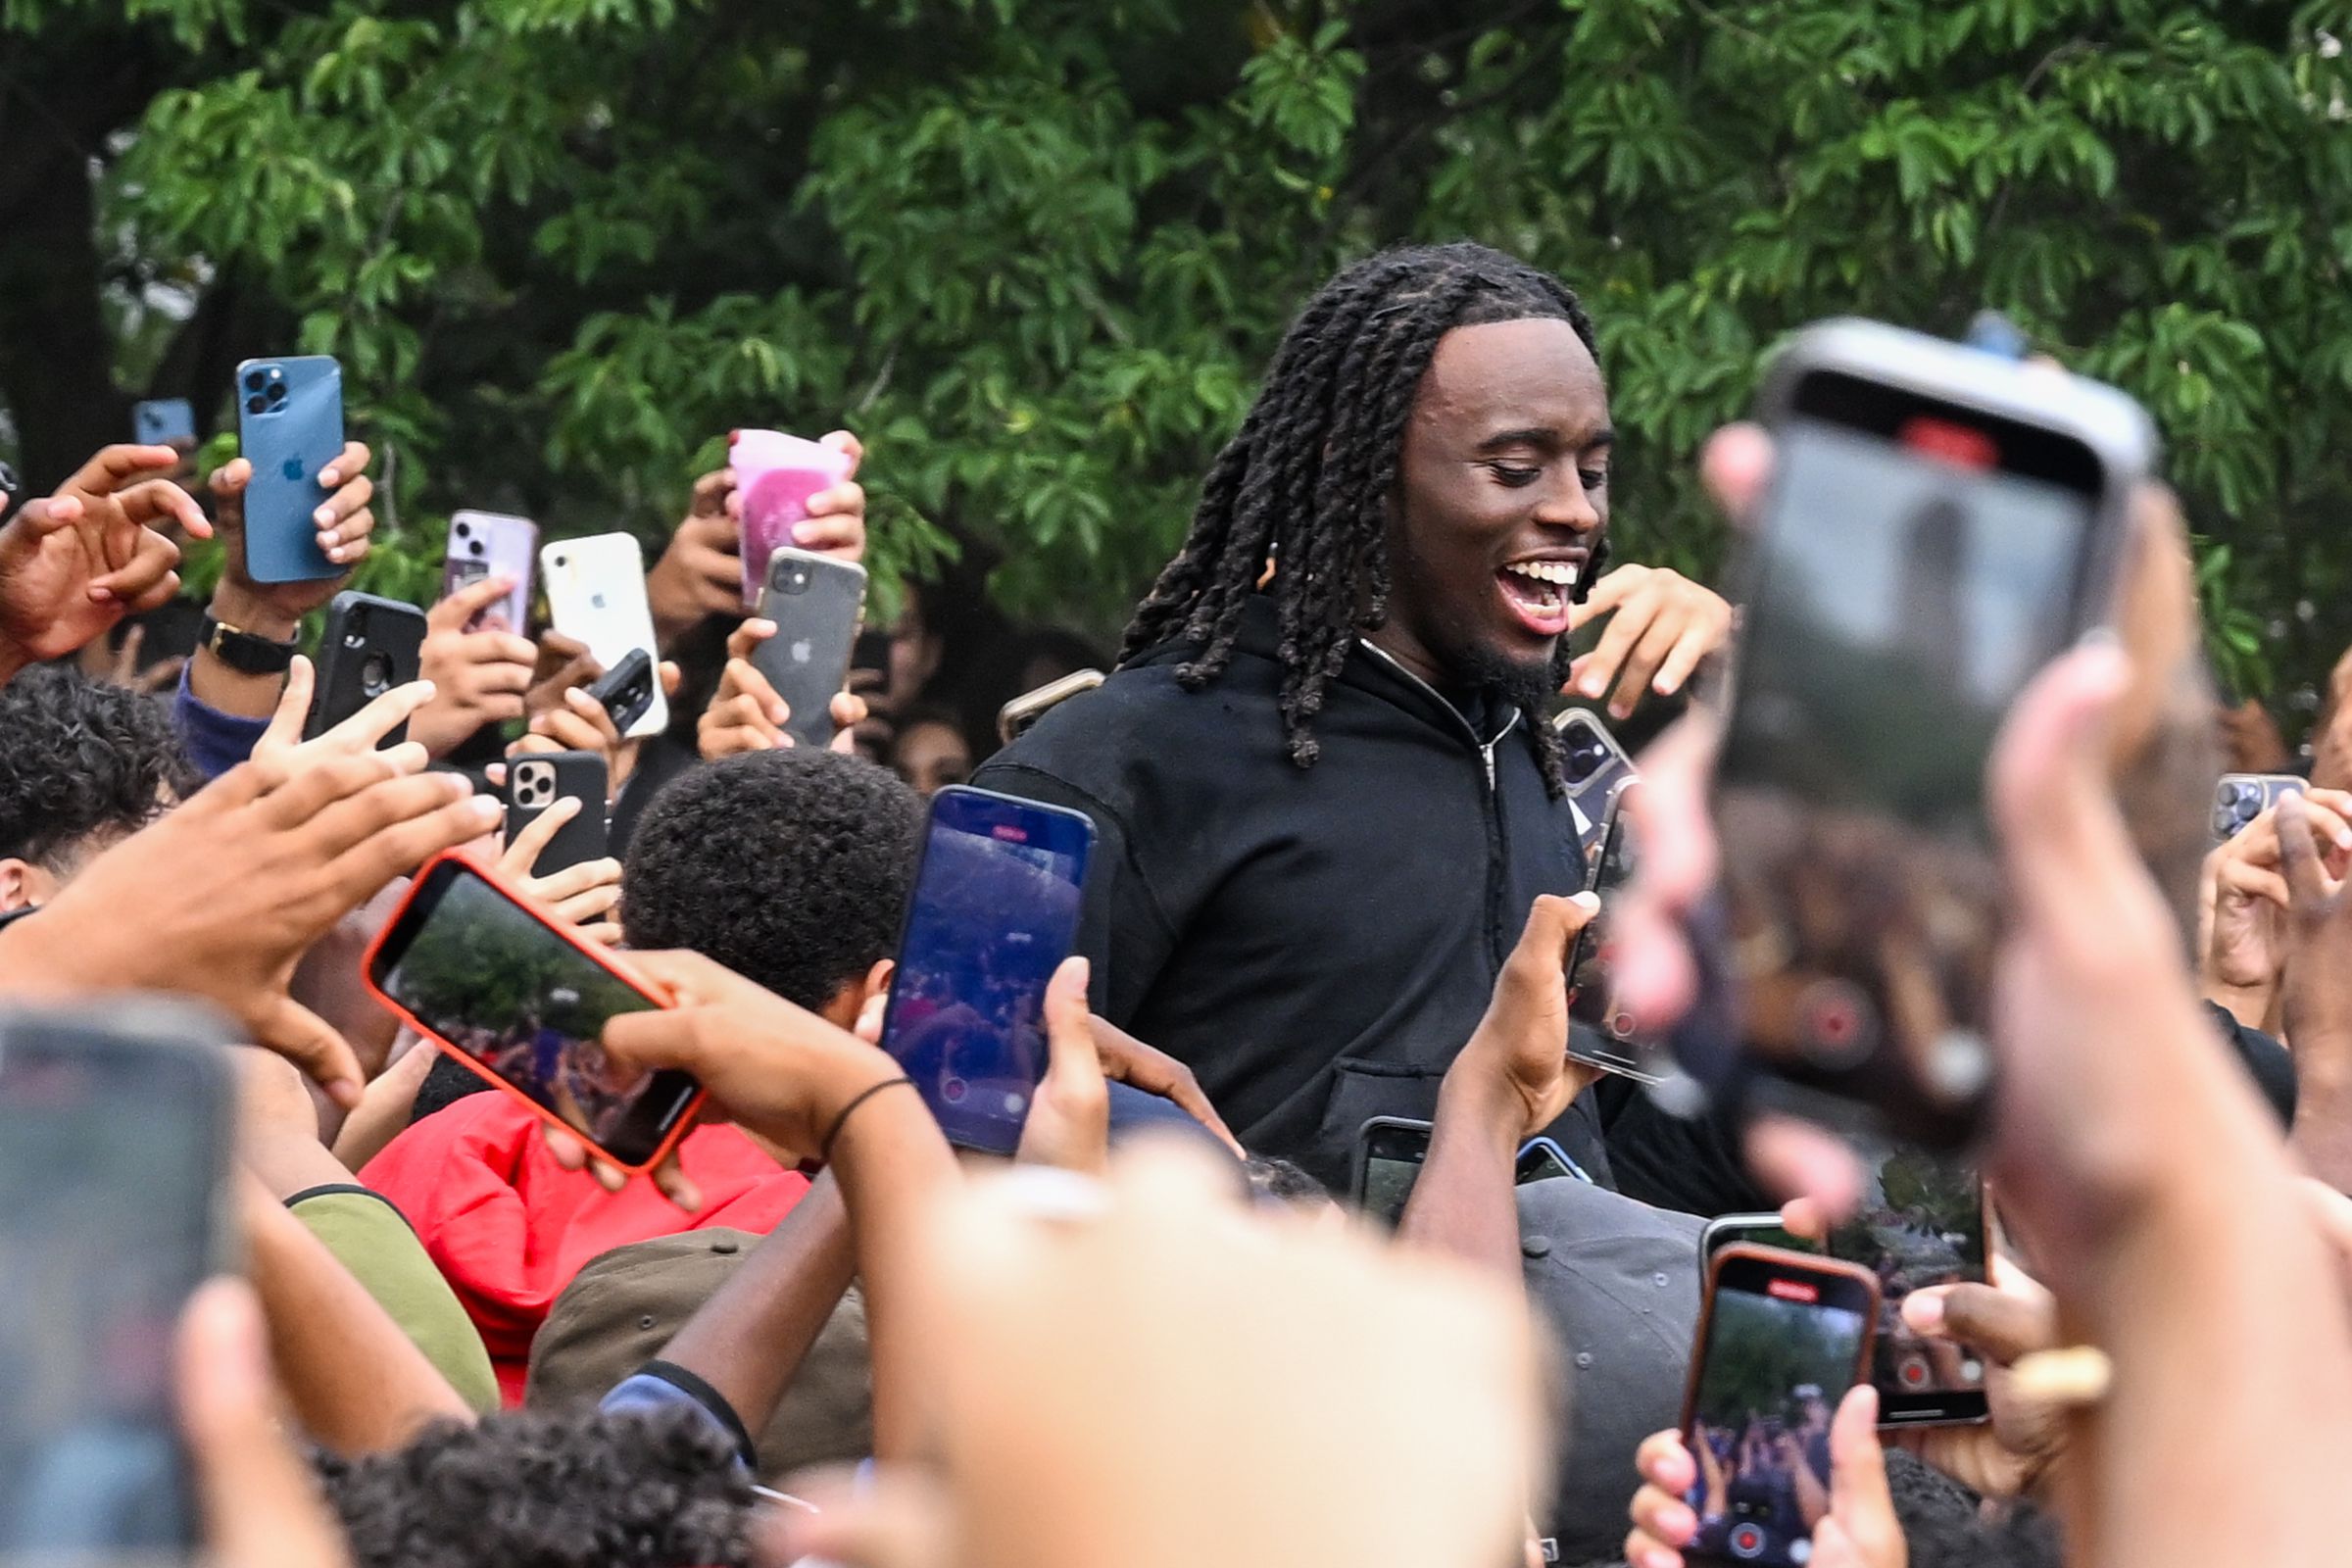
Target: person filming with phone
1325, 788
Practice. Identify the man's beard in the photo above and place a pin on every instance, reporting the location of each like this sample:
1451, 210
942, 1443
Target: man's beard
1523, 683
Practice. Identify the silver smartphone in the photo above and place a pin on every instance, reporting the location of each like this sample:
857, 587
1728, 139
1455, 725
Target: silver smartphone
1941, 522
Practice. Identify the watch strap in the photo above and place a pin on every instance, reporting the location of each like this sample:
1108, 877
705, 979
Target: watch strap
244, 652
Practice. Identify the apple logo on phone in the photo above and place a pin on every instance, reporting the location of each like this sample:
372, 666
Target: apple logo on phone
801, 651
294, 467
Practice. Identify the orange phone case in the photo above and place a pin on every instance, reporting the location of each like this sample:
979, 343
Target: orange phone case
636, 982
1794, 1264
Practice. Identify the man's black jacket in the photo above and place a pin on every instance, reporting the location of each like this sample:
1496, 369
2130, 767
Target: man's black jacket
1315, 944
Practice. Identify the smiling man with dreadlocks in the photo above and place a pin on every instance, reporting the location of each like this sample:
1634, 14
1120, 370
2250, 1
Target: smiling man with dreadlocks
1327, 800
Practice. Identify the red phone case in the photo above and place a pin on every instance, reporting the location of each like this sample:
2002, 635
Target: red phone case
637, 983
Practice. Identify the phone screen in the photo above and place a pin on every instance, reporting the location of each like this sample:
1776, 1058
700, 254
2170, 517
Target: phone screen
1921, 1223
1783, 1346
110, 1174
993, 913
1606, 1038
489, 979
1917, 565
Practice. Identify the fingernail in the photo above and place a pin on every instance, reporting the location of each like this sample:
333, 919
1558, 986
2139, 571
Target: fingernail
346, 1093
778, 711
1924, 1312
322, 516
1662, 686
1593, 685
483, 807
802, 532
1621, 709
1588, 902
329, 476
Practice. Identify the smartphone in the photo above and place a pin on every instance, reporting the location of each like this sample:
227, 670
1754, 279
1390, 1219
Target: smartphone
118, 1133
596, 596
1752, 1230
1596, 767
1606, 1038
538, 781
369, 646
626, 689
289, 425
484, 544
1015, 717
816, 602
776, 475
1780, 1339
165, 422
1388, 1152
524, 1001
1941, 523
1921, 1222
993, 913
2239, 798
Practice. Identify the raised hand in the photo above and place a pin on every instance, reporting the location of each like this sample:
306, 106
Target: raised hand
221, 897
584, 895
1663, 624
747, 715
701, 570
1522, 1042
575, 721
479, 677
74, 564
344, 520
1069, 1117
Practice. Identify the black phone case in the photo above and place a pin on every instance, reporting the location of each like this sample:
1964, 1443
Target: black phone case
370, 645
536, 782
808, 660
626, 689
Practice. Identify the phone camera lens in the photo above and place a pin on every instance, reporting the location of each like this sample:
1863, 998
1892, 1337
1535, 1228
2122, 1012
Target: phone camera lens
473, 547
255, 380
561, 562
277, 394
375, 674
257, 405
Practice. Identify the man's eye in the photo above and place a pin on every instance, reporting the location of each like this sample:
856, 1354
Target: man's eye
1515, 476
1594, 478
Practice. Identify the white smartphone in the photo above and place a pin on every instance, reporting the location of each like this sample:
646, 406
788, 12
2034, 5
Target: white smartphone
596, 596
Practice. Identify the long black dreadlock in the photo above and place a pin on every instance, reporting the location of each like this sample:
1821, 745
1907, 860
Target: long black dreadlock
1310, 472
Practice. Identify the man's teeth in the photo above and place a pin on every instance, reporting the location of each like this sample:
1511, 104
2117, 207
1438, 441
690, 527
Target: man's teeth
1559, 572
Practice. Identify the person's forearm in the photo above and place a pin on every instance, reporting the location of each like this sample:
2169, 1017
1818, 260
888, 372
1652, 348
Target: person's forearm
224, 690
2227, 1326
1465, 1200
2323, 1131
893, 1167
749, 1338
354, 1379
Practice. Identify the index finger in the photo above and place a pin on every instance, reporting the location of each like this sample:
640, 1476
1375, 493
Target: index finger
379, 719
749, 635
152, 498
113, 466
293, 708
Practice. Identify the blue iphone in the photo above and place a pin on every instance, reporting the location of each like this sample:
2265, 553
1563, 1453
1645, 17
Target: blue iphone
290, 424
995, 912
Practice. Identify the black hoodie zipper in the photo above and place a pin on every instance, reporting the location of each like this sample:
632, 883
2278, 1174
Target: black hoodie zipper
1498, 842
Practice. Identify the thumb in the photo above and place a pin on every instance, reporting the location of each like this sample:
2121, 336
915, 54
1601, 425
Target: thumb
1552, 924
1860, 1502
260, 1506
50, 513
452, 614
2051, 797
305, 1039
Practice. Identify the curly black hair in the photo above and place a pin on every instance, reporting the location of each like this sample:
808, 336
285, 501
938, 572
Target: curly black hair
1311, 474
791, 868
83, 763
531, 1489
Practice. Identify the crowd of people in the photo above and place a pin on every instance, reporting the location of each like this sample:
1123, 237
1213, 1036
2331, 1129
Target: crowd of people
1335, 876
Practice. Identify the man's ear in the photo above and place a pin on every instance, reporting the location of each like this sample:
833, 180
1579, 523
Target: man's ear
25, 885
878, 978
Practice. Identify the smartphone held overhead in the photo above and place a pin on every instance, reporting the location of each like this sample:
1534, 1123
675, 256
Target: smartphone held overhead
777, 475
817, 604
118, 1133
595, 596
487, 544
1941, 523
370, 645
289, 426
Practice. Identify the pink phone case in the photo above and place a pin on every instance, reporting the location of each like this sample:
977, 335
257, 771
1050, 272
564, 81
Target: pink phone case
775, 474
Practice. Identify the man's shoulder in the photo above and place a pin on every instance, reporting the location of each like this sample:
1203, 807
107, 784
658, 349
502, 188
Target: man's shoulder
1142, 720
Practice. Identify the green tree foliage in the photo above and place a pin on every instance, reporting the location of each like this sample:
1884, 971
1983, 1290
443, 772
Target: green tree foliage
1037, 250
